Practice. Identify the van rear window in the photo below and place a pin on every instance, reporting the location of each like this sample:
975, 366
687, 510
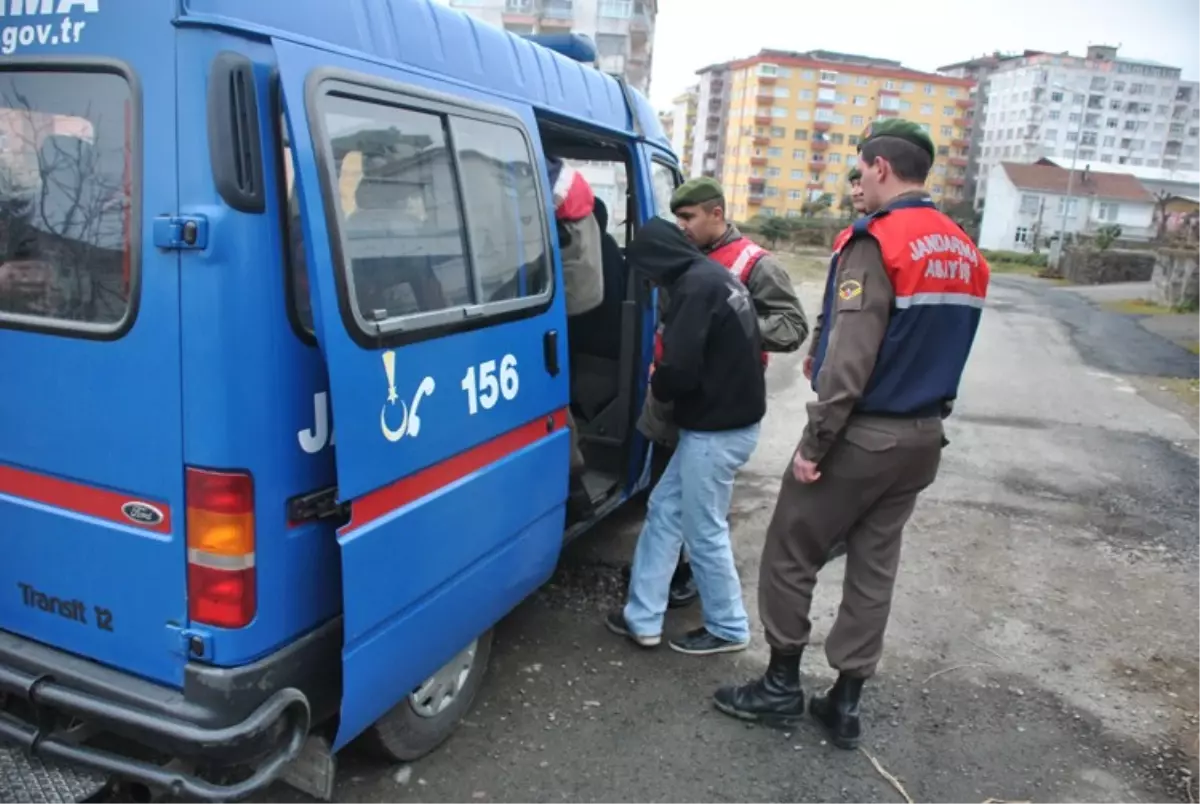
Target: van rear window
66, 199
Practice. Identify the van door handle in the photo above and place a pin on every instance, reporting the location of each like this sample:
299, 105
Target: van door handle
550, 351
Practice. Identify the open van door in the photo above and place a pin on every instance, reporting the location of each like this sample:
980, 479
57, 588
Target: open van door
436, 305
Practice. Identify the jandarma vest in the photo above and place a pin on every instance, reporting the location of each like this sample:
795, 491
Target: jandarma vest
739, 257
940, 281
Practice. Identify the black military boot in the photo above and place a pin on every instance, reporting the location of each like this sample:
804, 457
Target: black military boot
775, 699
837, 711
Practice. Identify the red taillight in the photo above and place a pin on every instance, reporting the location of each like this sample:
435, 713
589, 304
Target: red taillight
220, 540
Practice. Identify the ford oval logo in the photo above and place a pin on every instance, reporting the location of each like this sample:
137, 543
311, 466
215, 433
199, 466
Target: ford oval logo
142, 513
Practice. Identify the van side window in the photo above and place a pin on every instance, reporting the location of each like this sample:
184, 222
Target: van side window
438, 213
664, 180
66, 200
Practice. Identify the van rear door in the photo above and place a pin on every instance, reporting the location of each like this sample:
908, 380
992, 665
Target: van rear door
425, 215
92, 558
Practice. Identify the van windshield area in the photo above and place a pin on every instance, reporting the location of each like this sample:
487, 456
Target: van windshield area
66, 199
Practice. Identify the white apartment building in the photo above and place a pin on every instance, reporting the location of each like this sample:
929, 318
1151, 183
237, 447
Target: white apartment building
623, 30
1099, 109
712, 109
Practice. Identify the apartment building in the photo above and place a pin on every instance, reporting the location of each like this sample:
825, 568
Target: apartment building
712, 111
623, 30
1099, 109
683, 125
795, 120
979, 71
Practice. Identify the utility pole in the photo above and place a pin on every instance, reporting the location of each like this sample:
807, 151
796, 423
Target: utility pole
1062, 230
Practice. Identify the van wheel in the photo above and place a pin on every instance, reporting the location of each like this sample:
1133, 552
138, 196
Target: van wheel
431, 713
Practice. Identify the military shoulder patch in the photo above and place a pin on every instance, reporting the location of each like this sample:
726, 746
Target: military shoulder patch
849, 289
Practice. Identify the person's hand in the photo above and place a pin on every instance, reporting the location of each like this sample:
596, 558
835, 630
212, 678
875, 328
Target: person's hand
808, 364
803, 470
651, 374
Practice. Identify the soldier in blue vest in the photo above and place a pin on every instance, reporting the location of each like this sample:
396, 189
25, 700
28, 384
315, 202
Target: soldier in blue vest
902, 304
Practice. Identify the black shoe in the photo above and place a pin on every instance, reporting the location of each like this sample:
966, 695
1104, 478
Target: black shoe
615, 622
837, 711
702, 643
683, 592
579, 502
775, 699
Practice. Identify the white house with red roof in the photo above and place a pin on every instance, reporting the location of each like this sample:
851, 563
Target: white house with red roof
1025, 202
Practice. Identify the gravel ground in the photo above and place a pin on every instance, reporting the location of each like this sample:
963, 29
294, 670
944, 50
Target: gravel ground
1043, 642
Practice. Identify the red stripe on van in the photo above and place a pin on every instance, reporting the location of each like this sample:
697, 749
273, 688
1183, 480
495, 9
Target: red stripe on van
81, 499
383, 501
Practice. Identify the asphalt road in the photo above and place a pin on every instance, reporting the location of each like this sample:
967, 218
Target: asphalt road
1043, 642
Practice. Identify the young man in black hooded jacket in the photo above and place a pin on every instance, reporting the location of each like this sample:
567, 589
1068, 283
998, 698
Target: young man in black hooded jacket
711, 370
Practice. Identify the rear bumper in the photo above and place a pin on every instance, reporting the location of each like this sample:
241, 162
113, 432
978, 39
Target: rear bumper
257, 715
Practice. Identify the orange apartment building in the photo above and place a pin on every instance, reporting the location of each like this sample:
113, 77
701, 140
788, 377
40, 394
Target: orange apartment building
795, 120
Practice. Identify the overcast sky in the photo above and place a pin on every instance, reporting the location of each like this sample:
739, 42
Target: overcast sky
922, 34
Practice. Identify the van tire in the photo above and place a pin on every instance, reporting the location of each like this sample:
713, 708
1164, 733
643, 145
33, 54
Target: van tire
404, 734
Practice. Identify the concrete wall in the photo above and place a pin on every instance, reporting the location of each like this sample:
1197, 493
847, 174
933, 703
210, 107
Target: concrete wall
1175, 279
1085, 266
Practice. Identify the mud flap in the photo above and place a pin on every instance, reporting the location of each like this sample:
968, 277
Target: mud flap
313, 769
29, 779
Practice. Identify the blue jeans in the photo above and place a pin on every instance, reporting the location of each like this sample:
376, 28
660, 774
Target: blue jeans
690, 506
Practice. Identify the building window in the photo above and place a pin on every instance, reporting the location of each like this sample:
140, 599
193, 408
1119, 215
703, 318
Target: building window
774, 151
890, 102
947, 131
783, 92
857, 121
803, 114
930, 89
778, 131
1056, 97
836, 139
807, 75
1030, 204
801, 134
778, 111
798, 175
926, 108
904, 106
774, 173
619, 9
862, 81
835, 159
1108, 211
797, 153
1069, 209
806, 94
948, 111
860, 100
829, 76
825, 115
1022, 235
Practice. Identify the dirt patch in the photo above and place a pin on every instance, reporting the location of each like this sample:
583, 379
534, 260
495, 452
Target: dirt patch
1176, 681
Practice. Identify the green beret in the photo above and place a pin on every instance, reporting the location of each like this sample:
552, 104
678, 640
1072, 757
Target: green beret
854, 175
696, 191
901, 129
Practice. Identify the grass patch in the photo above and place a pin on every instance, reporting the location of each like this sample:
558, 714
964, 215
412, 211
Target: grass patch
1191, 346
1007, 267
1138, 307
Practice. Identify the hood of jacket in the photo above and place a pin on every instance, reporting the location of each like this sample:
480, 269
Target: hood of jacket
661, 252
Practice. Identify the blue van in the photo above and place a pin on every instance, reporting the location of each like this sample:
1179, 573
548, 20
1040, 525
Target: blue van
285, 370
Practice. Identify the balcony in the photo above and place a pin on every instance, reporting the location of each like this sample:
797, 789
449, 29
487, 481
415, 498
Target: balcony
765, 97
822, 125
964, 103
956, 181
961, 122
766, 80
816, 185
762, 139
826, 104
754, 199
885, 113
712, 135
829, 81
816, 165
758, 161
819, 145
759, 180
763, 119
886, 91
520, 11
557, 13
958, 161
960, 142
